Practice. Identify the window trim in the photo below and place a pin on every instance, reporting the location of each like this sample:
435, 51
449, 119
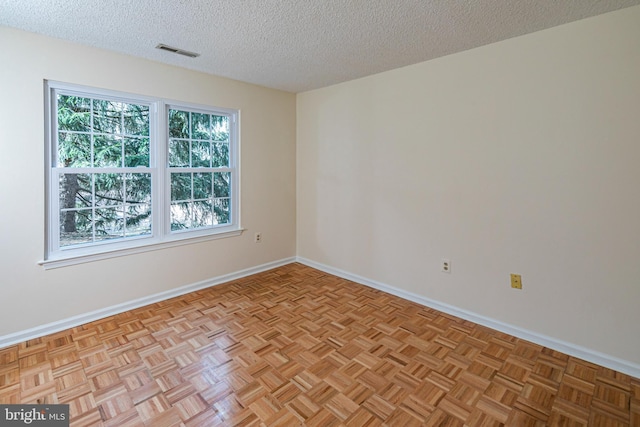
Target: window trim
161, 235
49, 264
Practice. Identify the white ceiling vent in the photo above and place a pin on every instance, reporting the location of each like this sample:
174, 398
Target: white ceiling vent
178, 51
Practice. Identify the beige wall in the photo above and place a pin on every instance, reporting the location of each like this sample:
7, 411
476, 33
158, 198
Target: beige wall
31, 296
517, 157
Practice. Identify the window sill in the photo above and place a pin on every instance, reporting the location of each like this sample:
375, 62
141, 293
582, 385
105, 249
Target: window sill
50, 264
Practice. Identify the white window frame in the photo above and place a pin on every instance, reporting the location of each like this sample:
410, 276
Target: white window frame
161, 235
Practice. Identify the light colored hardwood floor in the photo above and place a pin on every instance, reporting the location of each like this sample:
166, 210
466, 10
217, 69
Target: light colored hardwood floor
295, 346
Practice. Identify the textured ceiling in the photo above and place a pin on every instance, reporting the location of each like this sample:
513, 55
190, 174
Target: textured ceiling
295, 45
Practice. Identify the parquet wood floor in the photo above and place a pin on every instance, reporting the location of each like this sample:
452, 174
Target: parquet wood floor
295, 346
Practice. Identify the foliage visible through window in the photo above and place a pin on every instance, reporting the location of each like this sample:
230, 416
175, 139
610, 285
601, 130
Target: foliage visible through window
200, 174
96, 140
112, 180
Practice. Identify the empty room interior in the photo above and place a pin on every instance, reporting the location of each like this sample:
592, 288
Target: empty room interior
321, 213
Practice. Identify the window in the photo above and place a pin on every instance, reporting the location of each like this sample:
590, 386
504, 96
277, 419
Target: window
126, 172
200, 175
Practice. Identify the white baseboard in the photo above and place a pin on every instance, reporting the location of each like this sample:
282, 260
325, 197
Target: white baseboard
61, 325
583, 353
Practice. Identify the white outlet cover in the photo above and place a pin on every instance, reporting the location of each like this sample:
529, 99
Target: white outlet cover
445, 265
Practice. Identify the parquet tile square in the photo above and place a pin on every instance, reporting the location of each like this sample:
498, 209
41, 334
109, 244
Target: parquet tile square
68, 394
9, 374
153, 406
205, 418
129, 418
115, 405
495, 409
91, 417
322, 418
362, 417
401, 417
567, 410
10, 395
295, 346
190, 406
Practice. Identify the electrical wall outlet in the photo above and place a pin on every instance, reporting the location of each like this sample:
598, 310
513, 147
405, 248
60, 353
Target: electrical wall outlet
257, 237
516, 281
445, 265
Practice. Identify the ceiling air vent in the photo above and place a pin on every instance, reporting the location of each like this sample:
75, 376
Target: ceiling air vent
178, 51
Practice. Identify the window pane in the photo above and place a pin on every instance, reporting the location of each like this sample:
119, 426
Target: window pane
75, 227
74, 150
107, 151
221, 184
138, 187
202, 188
108, 189
136, 119
138, 220
220, 128
200, 128
178, 124
180, 186
136, 152
180, 216
75, 191
202, 216
107, 116
74, 113
221, 211
200, 154
220, 154
178, 153
109, 223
